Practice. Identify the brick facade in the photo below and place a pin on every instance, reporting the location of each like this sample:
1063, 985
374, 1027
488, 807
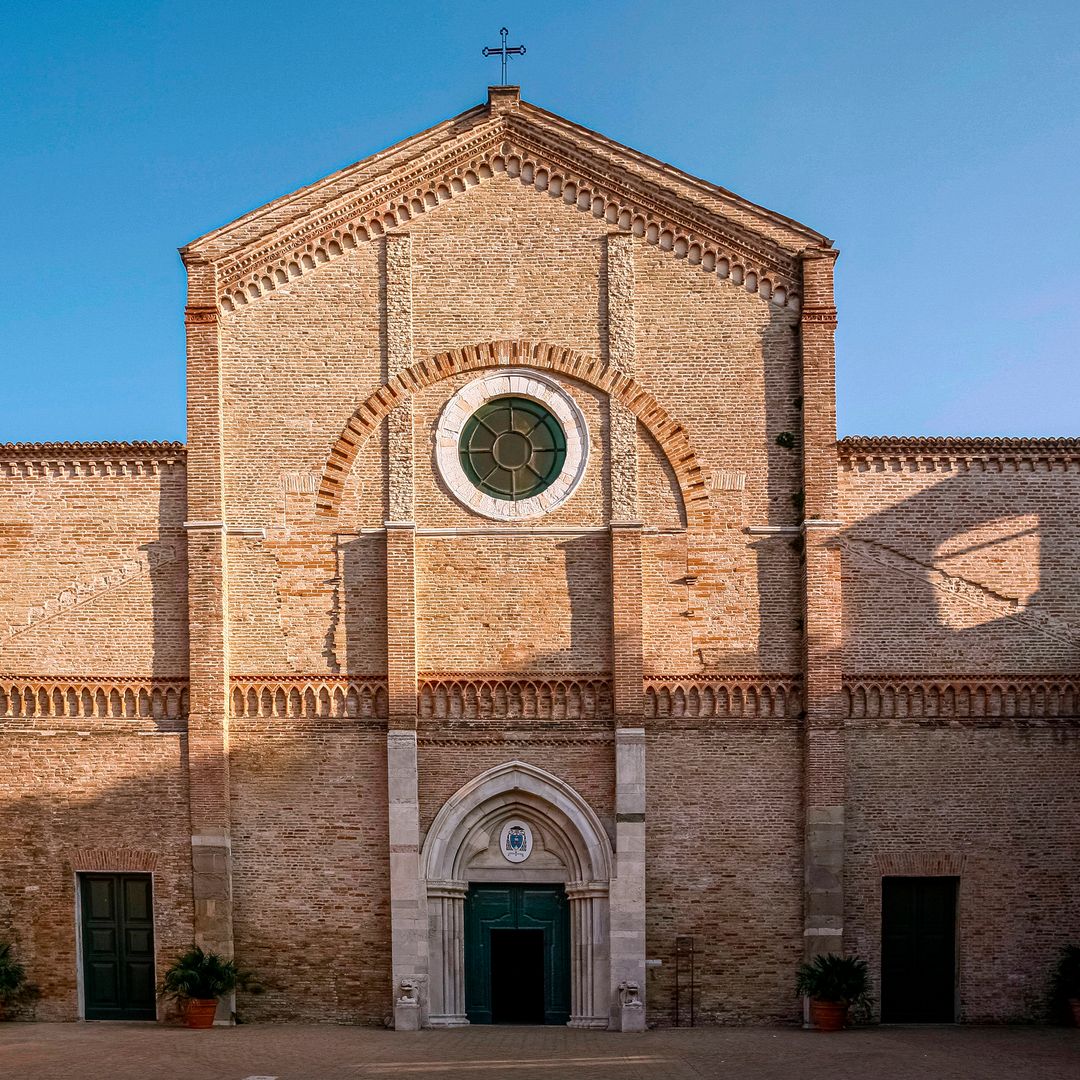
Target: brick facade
773, 667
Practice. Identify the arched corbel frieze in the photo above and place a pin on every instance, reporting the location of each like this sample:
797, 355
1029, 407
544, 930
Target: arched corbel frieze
750, 262
669, 434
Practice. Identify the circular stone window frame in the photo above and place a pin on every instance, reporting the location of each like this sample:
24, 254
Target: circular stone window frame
517, 382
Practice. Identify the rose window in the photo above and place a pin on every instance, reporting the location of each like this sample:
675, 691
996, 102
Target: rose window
512, 448
512, 444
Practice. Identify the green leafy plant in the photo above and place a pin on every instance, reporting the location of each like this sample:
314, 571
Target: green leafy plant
832, 977
14, 987
1067, 974
201, 975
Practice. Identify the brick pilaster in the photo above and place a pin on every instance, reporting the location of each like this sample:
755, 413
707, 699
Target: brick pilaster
621, 355
408, 894
398, 329
208, 620
627, 651
824, 737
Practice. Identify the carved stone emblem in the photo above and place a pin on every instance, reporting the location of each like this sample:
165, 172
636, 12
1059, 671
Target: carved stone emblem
515, 841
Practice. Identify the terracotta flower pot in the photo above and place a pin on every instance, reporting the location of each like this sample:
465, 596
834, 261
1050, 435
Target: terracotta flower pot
1074, 1005
827, 1015
199, 1012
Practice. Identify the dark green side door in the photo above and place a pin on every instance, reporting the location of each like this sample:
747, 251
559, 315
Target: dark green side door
517, 954
118, 946
918, 950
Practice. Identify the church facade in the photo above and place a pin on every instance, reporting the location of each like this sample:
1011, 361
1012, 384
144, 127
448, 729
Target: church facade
512, 639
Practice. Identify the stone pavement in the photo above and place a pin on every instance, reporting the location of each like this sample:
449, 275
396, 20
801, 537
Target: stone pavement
297, 1052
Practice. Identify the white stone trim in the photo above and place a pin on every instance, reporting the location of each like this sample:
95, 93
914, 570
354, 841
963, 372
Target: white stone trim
518, 790
520, 382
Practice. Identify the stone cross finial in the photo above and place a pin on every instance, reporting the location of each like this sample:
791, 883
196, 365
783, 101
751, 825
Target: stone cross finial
504, 51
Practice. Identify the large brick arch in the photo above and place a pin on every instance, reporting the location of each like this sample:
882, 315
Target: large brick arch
668, 433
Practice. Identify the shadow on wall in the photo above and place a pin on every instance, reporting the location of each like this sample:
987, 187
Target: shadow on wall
311, 864
973, 574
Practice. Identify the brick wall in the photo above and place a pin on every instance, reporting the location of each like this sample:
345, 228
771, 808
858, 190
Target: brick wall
66, 795
724, 832
996, 804
93, 561
311, 870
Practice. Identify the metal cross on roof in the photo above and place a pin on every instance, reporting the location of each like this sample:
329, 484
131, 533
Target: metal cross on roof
505, 51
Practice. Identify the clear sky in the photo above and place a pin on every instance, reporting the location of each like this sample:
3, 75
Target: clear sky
937, 143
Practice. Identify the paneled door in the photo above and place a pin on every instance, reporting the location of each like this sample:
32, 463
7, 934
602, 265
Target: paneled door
517, 954
118, 946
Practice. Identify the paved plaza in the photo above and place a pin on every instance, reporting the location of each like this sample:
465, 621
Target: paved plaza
296, 1052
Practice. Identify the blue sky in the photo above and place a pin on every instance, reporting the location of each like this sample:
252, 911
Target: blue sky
938, 144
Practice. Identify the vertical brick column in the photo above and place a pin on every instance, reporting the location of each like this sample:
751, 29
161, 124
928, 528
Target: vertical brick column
408, 898
627, 893
208, 623
397, 321
824, 737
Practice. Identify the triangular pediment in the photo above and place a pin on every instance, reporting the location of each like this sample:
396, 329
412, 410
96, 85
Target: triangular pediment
695, 220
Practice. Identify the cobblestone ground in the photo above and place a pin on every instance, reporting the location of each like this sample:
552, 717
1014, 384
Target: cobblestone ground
294, 1052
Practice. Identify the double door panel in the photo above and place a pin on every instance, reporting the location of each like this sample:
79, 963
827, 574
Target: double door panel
118, 946
517, 954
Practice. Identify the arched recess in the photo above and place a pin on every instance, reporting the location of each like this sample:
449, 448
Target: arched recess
669, 434
571, 847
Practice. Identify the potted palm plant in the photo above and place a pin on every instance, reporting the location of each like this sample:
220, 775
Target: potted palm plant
196, 979
1067, 980
833, 983
15, 990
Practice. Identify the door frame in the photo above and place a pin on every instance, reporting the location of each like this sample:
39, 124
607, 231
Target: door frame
80, 979
957, 877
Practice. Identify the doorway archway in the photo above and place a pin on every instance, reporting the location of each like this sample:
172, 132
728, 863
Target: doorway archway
569, 847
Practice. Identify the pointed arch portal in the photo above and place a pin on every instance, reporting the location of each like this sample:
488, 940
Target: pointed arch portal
571, 848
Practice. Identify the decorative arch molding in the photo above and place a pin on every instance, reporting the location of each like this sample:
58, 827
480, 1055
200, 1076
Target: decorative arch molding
919, 863
746, 260
464, 828
584, 845
114, 860
669, 434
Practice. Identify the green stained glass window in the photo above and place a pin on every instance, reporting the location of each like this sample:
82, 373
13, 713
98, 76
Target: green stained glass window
512, 448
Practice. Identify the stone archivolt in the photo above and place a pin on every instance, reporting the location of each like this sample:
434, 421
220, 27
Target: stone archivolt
669, 434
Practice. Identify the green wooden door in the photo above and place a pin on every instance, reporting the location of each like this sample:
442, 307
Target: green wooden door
524, 930
118, 946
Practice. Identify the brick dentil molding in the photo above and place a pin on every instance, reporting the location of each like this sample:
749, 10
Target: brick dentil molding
629, 191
